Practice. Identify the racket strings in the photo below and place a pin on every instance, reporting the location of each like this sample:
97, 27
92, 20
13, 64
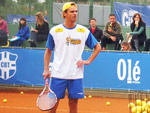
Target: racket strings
46, 101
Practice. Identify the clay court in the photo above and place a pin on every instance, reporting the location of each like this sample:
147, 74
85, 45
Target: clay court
26, 103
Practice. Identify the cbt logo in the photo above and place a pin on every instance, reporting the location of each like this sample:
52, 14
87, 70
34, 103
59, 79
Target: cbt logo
124, 70
7, 65
127, 17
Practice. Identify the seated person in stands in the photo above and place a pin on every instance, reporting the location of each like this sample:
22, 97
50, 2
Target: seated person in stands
98, 33
22, 34
40, 33
112, 33
3, 25
125, 46
3, 32
138, 32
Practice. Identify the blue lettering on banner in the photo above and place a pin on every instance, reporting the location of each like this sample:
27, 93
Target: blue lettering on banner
124, 13
127, 17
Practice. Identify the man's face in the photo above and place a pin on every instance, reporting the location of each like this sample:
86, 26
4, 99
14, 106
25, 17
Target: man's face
93, 23
112, 19
71, 14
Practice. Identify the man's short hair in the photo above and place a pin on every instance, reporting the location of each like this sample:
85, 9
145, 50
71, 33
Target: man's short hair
112, 15
92, 19
67, 5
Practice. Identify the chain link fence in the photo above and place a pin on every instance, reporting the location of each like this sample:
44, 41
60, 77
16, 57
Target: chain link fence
99, 9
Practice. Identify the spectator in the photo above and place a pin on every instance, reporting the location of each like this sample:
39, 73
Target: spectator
138, 32
112, 33
40, 33
22, 34
98, 33
68, 41
3, 25
125, 46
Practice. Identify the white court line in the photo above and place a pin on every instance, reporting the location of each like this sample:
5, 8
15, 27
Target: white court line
29, 108
10, 107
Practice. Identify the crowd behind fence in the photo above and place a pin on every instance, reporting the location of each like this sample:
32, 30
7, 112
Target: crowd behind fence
100, 10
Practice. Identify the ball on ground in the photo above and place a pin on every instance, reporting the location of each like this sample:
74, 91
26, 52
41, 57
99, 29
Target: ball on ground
131, 105
85, 97
4, 100
146, 99
21, 92
90, 96
108, 103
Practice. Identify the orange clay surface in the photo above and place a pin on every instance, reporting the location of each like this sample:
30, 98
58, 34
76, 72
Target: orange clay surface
26, 103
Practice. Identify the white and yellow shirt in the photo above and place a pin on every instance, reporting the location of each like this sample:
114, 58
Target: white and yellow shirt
68, 45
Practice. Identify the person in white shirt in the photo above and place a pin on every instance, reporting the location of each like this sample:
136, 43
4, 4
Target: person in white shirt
68, 41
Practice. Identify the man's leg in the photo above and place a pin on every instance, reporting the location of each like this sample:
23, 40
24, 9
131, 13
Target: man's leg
73, 103
118, 42
75, 92
53, 110
104, 42
58, 86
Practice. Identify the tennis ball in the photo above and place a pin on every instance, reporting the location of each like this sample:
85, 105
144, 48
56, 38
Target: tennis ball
133, 110
146, 99
139, 109
143, 103
90, 96
85, 97
108, 103
21, 92
148, 104
4, 100
144, 107
138, 102
131, 105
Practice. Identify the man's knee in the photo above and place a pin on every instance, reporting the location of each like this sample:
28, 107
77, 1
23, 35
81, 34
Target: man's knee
73, 101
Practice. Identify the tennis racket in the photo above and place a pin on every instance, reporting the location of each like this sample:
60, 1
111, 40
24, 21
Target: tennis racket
47, 99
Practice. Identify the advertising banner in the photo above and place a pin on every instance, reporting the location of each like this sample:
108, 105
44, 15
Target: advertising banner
110, 70
124, 13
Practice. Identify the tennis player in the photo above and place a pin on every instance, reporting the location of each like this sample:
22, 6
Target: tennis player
68, 41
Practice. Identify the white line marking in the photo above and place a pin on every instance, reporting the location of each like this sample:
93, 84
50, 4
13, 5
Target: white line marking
30, 108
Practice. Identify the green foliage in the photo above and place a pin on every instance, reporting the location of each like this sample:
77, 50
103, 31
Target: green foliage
21, 7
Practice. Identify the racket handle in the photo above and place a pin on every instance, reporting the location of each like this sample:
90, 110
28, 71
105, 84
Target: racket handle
46, 81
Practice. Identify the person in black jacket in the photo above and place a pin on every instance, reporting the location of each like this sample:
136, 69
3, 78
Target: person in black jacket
98, 33
138, 32
40, 33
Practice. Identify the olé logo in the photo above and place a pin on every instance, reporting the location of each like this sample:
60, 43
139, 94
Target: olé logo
7, 65
124, 67
127, 17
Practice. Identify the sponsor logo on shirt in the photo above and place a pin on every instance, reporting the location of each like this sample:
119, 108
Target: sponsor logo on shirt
72, 41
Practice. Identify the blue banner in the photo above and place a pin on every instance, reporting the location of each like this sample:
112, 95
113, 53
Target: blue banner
124, 13
110, 70
16, 18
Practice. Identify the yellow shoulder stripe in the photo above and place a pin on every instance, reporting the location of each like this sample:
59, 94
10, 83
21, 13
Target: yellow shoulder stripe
80, 29
58, 29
